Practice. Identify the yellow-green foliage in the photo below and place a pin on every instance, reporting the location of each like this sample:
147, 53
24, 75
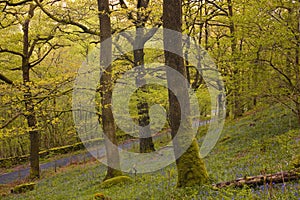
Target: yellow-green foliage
115, 181
23, 188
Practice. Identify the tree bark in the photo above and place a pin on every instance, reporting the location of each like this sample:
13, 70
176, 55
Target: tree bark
190, 167
106, 84
29, 105
146, 142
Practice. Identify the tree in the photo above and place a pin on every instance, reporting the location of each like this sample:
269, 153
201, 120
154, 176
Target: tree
106, 84
139, 19
106, 81
280, 52
30, 115
190, 167
146, 143
30, 47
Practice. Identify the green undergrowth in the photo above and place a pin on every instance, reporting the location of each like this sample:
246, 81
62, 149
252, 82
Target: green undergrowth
261, 142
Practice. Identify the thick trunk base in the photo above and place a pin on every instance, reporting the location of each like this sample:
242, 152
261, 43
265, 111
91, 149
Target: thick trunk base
146, 145
34, 155
191, 168
111, 173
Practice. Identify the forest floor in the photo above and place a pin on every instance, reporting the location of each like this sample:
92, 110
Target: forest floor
261, 142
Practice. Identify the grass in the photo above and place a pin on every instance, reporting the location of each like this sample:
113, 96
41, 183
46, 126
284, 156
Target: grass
264, 141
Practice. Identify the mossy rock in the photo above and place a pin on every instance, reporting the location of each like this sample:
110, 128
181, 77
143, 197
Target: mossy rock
23, 188
296, 162
101, 196
116, 181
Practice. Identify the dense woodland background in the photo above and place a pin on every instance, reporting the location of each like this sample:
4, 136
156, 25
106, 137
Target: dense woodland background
255, 44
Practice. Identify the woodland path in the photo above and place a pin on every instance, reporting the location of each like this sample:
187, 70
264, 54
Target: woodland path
22, 173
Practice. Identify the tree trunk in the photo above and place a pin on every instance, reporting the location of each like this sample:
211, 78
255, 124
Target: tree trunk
108, 123
146, 142
29, 105
298, 112
236, 109
297, 60
190, 167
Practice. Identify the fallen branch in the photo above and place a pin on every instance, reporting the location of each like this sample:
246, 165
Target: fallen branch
280, 177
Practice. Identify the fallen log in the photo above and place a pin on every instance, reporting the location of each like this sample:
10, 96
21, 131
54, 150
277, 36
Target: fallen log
252, 181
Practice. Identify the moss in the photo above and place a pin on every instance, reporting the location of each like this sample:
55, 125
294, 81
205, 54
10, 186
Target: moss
101, 196
23, 188
191, 168
111, 173
115, 181
296, 162
34, 174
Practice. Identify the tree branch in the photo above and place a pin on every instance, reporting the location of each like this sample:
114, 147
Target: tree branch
5, 79
11, 120
150, 33
67, 21
279, 71
9, 3
11, 52
38, 61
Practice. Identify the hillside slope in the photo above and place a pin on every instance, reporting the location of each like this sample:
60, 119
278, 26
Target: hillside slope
263, 141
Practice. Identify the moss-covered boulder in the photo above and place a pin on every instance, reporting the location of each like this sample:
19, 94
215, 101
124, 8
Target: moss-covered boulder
116, 181
23, 188
101, 196
296, 162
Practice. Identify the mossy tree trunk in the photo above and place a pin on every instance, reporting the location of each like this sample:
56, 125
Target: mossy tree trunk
106, 83
190, 166
297, 60
235, 100
29, 105
146, 142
